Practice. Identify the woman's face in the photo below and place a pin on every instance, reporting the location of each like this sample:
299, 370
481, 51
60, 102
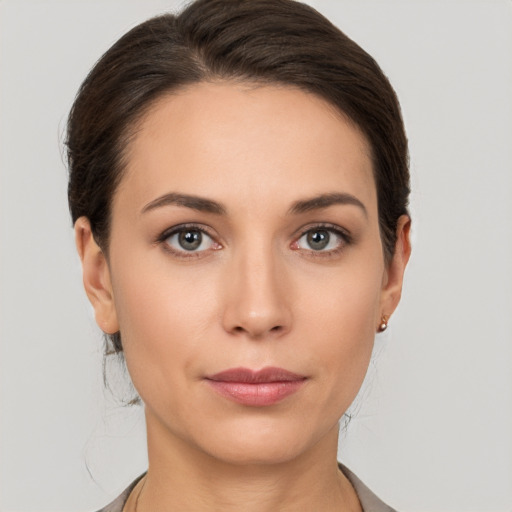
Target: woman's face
245, 237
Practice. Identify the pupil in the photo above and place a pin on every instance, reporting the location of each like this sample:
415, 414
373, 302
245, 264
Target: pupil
318, 240
190, 240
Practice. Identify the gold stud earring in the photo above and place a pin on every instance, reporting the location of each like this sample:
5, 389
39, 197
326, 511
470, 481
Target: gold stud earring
383, 324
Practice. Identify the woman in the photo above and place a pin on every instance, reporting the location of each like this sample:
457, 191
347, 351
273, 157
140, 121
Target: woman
239, 187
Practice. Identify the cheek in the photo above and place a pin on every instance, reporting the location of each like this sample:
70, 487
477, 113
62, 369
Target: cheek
340, 316
164, 318
344, 301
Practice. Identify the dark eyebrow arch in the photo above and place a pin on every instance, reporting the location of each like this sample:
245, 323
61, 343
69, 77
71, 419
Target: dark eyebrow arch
324, 201
188, 201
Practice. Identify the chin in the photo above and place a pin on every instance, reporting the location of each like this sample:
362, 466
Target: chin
256, 453
260, 444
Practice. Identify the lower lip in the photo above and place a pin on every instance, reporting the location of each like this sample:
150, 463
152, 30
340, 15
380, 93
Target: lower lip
257, 394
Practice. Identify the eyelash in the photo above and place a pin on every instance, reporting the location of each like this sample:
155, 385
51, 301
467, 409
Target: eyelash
346, 239
184, 254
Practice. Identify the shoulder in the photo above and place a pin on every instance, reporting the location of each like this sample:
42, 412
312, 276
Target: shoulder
369, 502
118, 504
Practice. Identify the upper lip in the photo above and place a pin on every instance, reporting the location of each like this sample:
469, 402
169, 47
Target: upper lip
246, 375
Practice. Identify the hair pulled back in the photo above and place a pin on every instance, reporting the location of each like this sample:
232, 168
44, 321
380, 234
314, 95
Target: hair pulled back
262, 41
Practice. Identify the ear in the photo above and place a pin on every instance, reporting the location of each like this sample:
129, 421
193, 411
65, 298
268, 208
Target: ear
394, 273
96, 277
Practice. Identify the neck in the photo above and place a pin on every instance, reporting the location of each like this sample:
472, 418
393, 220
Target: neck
182, 477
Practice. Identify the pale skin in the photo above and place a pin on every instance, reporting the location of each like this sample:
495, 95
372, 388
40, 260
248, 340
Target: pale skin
242, 167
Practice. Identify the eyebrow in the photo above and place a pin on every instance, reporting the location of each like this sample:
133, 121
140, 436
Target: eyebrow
208, 205
326, 200
188, 201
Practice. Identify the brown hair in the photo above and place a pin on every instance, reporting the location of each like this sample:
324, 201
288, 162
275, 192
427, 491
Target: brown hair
264, 41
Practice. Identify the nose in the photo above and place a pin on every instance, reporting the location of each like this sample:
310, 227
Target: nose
258, 297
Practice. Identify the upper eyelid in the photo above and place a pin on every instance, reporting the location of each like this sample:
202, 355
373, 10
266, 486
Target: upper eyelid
182, 227
346, 239
299, 233
183, 254
325, 226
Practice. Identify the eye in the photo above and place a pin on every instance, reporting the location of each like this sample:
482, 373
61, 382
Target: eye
322, 239
189, 240
318, 240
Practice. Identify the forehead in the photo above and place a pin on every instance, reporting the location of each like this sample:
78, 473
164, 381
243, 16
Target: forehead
246, 143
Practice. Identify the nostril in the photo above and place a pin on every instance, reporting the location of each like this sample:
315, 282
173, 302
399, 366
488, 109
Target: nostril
240, 329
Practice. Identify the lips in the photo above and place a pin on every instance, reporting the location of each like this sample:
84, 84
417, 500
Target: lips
256, 388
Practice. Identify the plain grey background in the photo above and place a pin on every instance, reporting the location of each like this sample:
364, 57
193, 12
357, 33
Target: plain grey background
432, 428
